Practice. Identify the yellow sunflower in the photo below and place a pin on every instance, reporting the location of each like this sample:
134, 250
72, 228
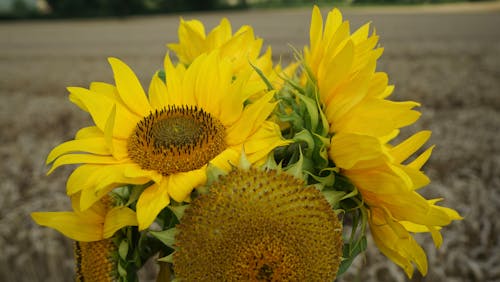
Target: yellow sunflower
239, 48
242, 49
168, 137
258, 225
389, 189
343, 66
362, 122
92, 230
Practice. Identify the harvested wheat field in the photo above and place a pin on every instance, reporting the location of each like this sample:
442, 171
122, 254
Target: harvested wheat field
446, 57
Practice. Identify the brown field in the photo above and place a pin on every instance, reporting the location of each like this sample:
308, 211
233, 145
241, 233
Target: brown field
447, 58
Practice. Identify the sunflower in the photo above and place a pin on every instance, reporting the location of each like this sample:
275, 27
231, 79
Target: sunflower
167, 138
389, 189
363, 122
352, 92
242, 49
92, 230
258, 225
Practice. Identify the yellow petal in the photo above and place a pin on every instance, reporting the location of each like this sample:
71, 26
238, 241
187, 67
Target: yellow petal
421, 159
117, 218
316, 28
401, 250
129, 88
89, 197
252, 118
81, 178
109, 128
174, 84
151, 202
82, 158
107, 90
377, 117
157, 93
100, 107
378, 85
406, 148
409, 206
418, 178
331, 75
263, 141
220, 34
135, 171
361, 34
349, 150
89, 132
71, 225
211, 80
97, 177
95, 213
381, 180
180, 185
89, 145
228, 158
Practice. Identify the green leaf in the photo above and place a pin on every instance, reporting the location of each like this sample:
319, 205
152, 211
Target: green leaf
178, 210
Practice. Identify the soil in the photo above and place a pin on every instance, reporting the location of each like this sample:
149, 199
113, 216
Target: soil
446, 57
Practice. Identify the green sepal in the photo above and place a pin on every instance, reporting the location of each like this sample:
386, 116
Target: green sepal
162, 75
349, 254
136, 191
123, 249
122, 271
213, 173
263, 77
333, 197
167, 237
245, 164
178, 210
306, 137
297, 169
169, 258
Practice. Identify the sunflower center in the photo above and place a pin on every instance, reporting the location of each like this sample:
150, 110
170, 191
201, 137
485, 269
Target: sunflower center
256, 225
176, 139
266, 259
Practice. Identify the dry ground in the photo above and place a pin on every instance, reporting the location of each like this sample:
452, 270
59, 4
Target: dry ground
446, 58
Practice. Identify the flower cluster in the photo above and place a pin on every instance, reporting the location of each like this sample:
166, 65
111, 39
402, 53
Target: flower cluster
233, 168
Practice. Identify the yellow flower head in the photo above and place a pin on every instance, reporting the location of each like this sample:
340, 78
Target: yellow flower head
362, 122
258, 226
96, 261
242, 49
388, 187
343, 65
239, 48
168, 137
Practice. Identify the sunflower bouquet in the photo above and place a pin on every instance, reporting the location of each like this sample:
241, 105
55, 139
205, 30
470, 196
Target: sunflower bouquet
234, 168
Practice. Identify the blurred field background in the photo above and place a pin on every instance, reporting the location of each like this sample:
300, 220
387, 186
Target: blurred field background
445, 56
